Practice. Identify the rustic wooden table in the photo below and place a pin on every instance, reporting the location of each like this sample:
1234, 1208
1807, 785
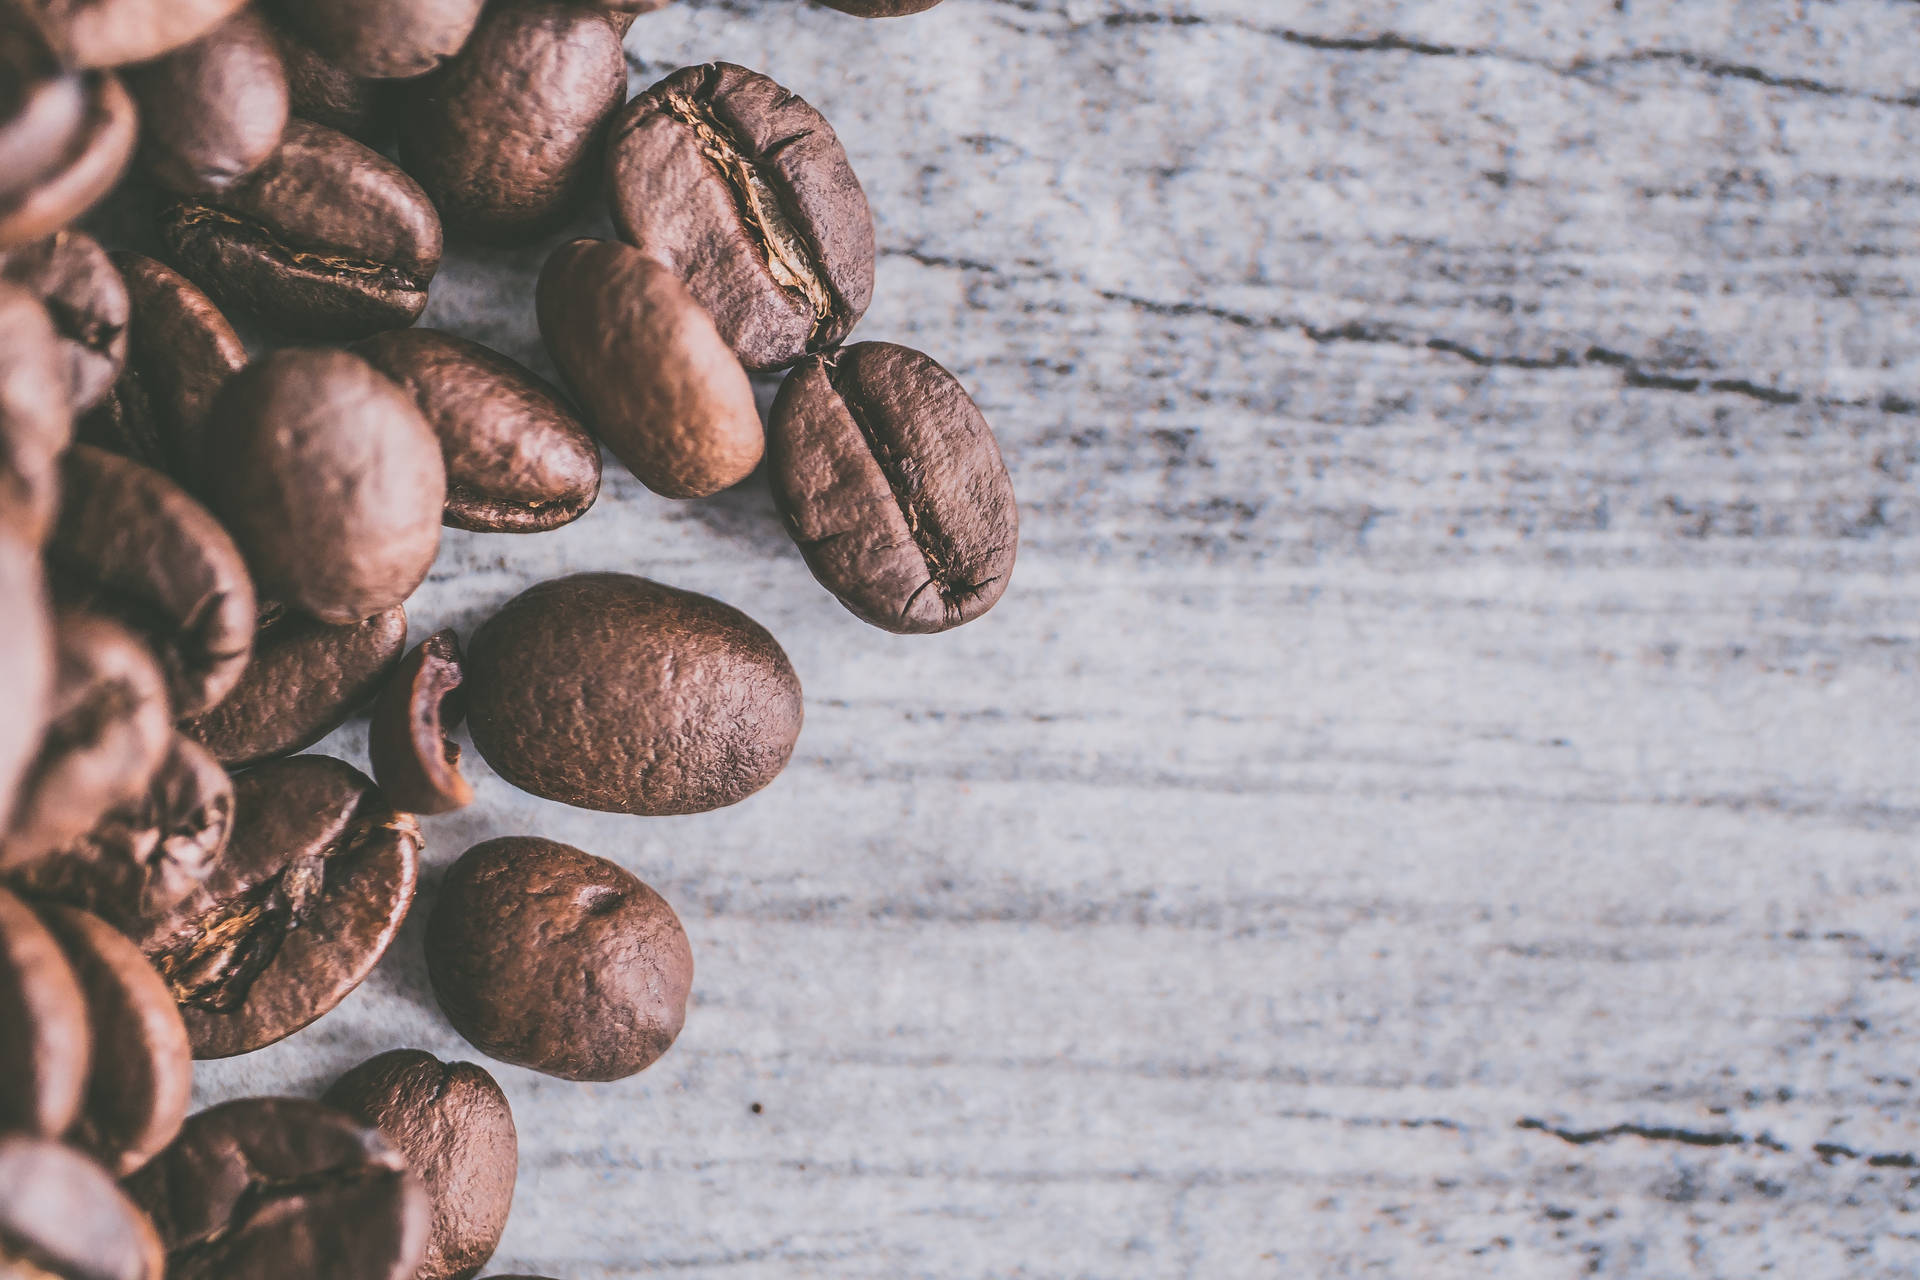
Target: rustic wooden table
1438, 798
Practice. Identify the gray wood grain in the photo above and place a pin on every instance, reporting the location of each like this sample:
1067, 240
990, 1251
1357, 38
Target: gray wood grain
1438, 798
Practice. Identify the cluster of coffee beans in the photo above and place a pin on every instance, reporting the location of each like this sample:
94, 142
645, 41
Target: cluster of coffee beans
205, 555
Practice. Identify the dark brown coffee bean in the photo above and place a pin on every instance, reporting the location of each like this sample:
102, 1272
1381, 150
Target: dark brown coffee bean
130, 543
65, 136
111, 33
384, 39
212, 112
331, 481
880, 8
890, 481
26, 659
611, 692
36, 418
314, 883
283, 1189
507, 137
743, 191
656, 379
550, 958
48, 1045
518, 461
63, 1218
73, 277
327, 239
454, 1127
326, 93
143, 1069
305, 679
415, 762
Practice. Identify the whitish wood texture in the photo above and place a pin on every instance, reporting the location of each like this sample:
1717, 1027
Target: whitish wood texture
1438, 799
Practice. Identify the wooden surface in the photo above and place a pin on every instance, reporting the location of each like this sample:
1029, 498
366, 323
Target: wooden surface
1438, 798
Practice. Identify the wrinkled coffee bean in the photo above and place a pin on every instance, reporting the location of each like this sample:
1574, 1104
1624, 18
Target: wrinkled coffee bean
384, 39
63, 1218
890, 481
112, 33
36, 417
65, 136
517, 459
743, 191
142, 1068
414, 761
314, 451
880, 8
326, 93
550, 958
26, 661
327, 239
305, 679
47, 1043
507, 137
655, 378
283, 1189
87, 301
130, 543
611, 692
315, 881
213, 111
453, 1125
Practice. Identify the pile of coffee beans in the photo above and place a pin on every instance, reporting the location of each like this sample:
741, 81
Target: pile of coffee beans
207, 545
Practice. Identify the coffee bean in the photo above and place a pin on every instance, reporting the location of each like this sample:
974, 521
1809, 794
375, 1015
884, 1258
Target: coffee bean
326, 93
142, 1069
212, 112
743, 191
63, 1218
880, 8
507, 137
518, 461
416, 764
550, 958
890, 481
327, 239
26, 656
111, 33
453, 1125
36, 417
305, 679
283, 1189
657, 381
384, 39
315, 881
65, 136
87, 301
130, 543
48, 1045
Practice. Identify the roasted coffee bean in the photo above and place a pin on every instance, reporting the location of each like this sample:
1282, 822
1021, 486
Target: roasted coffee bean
326, 93
130, 543
611, 692
47, 1044
36, 416
880, 8
111, 33
71, 274
414, 761
508, 137
283, 1189
331, 481
142, 1068
657, 381
743, 191
65, 136
454, 1127
550, 958
212, 112
890, 481
315, 881
26, 659
518, 461
63, 1218
327, 239
305, 679
384, 39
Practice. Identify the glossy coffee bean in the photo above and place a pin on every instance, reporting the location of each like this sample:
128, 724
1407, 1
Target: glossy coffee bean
313, 450
130, 543
611, 692
550, 958
743, 191
36, 415
384, 39
142, 1067
326, 93
283, 1189
65, 136
453, 1125
880, 8
890, 481
315, 881
657, 381
213, 111
305, 679
327, 239
414, 761
111, 33
507, 137
26, 662
48, 1044
517, 459
63, 1218
86, 300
